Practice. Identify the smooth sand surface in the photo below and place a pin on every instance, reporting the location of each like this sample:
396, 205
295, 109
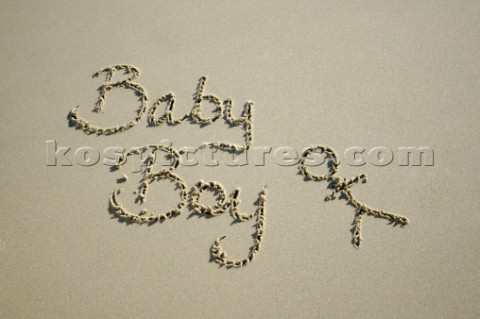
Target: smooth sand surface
335, 73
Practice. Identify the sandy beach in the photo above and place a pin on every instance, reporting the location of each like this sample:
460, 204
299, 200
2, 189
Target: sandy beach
371, 80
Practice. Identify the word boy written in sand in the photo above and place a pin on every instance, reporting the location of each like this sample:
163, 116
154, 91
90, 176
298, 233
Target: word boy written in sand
341, 186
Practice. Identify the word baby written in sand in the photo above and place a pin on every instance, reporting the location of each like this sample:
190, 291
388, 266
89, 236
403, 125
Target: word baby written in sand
195, 115
340, 186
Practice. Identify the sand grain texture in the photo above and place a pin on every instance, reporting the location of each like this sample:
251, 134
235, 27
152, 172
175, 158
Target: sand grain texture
330, 73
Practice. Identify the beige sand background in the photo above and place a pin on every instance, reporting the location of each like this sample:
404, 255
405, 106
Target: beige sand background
338, 73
